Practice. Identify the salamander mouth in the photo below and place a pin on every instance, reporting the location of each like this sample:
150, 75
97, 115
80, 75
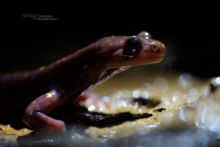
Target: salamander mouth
151, 57
158, 57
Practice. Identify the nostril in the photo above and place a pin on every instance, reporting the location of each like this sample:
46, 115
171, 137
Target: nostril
154, 49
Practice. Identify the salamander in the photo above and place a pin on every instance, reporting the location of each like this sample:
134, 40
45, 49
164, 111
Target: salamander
34, 94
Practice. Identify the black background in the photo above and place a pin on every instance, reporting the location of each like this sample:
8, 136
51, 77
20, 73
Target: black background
190, 32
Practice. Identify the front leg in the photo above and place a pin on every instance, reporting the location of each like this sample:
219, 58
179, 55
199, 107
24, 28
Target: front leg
36, 113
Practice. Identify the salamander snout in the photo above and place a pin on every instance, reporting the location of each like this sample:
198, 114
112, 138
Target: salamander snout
150, 45
157, 47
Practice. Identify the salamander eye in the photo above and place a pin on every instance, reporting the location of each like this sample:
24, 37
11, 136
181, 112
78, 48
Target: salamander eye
132, 47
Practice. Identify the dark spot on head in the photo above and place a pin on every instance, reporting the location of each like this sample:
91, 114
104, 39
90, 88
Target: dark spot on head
132, 47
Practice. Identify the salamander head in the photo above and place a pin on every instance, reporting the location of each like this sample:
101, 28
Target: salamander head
115, 54
132, 50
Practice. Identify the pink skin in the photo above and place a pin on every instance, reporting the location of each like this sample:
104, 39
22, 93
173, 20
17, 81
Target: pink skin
35, 114
106, 59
